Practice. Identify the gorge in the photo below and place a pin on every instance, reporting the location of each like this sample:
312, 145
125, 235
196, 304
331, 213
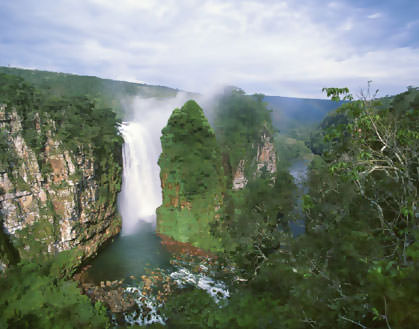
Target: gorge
153, 207
138, 246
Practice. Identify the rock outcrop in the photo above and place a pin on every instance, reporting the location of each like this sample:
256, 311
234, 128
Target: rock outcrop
266, 155
50, 199
266, 159
239, 179
192, 178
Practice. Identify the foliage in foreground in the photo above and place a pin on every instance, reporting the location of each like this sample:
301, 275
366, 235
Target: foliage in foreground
32, 296
357, 264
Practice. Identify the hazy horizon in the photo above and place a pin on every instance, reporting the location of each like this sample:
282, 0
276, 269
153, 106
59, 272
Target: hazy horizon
271, 47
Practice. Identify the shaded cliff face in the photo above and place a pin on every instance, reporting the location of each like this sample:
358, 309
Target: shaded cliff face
192, 178
265, 159
56, 193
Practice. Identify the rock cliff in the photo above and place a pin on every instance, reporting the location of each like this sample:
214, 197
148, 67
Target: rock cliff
192, 178
55, 194
265, 159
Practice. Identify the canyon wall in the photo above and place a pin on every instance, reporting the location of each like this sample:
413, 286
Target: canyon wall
57, 193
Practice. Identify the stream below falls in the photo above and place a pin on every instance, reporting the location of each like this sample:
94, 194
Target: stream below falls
129, 255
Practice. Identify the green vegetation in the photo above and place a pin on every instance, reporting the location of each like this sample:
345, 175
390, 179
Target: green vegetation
239, 124
39, 293
294, 116
196, 201
192, 177
316, 140
104, 92
290, 149
255, 219
8, 254
74, 121
357, 264
33, 296
355, 267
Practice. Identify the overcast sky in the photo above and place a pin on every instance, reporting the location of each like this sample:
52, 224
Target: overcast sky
287, 48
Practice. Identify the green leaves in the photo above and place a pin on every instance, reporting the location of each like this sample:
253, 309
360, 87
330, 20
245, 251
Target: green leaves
31, 298
336, 93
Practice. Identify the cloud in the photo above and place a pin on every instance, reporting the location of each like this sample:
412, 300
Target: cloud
275, 47
374, 16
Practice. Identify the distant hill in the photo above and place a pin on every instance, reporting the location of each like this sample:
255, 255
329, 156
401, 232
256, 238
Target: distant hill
107, 93
289, 112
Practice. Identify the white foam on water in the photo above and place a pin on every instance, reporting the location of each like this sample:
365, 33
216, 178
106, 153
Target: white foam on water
183, 278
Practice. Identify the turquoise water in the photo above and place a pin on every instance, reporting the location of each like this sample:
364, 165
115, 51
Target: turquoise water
129, 255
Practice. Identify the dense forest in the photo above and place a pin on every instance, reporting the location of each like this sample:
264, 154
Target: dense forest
355, 266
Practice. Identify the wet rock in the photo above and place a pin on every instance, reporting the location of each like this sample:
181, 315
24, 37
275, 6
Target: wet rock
113, 296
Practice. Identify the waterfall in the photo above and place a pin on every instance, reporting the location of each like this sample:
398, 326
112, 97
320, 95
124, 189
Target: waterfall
141, 191
140, 194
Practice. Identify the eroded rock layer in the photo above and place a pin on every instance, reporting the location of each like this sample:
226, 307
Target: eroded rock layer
52, 197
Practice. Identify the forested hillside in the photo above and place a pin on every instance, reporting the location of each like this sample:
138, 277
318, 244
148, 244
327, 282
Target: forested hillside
105, 92
290, 114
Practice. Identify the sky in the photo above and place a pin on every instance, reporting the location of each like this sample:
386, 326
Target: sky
287, 48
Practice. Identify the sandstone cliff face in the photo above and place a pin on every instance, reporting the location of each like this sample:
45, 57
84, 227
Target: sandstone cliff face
49, 202
265, 159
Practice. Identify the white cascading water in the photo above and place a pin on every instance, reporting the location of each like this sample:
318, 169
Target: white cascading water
141, 191
140, 194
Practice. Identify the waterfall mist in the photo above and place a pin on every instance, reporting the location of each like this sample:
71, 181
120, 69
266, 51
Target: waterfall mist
141, 191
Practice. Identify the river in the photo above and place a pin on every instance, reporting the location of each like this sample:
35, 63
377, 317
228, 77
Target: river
298, 170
